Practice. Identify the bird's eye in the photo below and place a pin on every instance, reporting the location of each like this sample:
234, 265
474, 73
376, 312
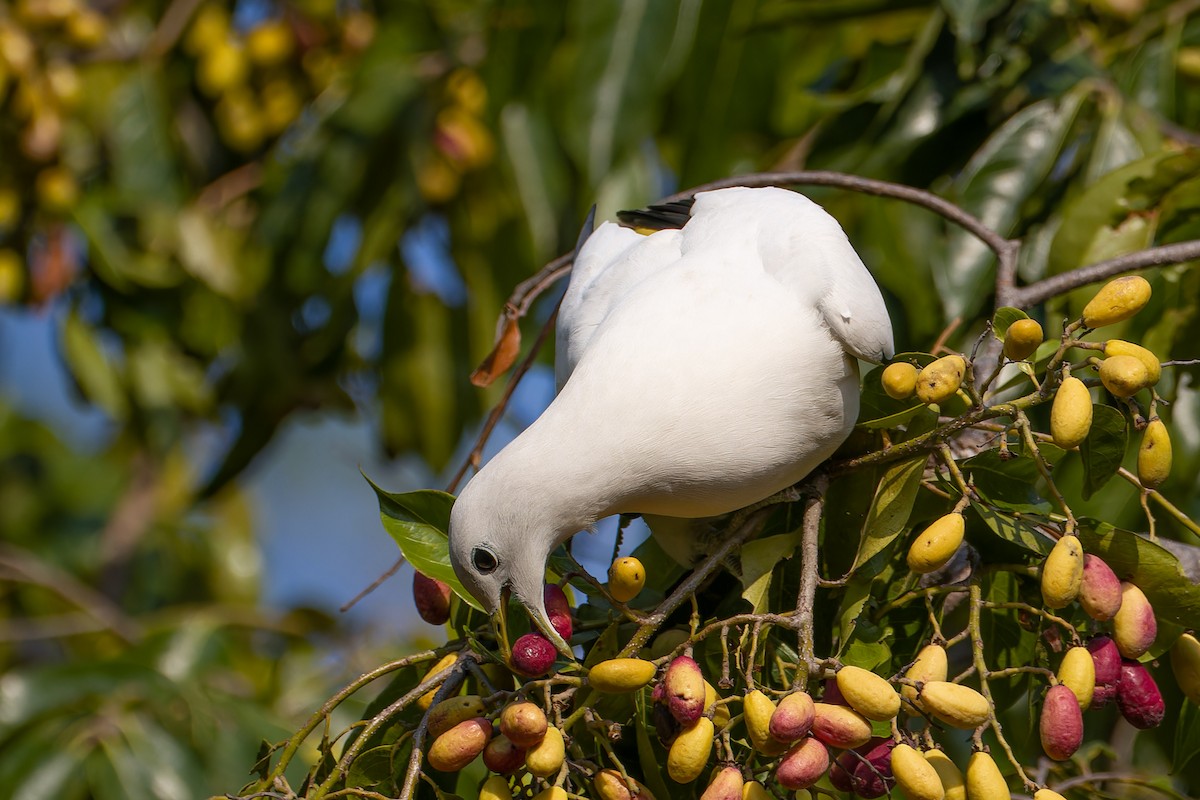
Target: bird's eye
484, 560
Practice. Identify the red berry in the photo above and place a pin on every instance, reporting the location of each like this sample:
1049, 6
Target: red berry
1138, 696
432, 598
533, 655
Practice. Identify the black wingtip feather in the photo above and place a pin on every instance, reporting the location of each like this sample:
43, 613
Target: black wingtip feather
659, 217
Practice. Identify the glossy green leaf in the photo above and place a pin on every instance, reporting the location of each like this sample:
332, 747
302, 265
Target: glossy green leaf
1014, 528
372, 768
418, 522
1003, 318
894, 498
651, 759
1187, 737
1104, 448
759, 559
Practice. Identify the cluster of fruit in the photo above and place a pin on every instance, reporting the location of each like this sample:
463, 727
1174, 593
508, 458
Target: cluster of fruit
261, 78
40, 43
462, 141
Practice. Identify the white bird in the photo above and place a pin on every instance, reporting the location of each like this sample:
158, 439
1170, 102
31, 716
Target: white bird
700, 369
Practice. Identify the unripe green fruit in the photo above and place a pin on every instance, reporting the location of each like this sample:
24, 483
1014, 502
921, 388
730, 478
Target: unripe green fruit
1062, 572
1154, 456
868, 694
1117, 300
1071, 414
618, 675
899, 380
626, 577
937, 544
1022, 339
1124, 376
941, 379
915, 775
689, 752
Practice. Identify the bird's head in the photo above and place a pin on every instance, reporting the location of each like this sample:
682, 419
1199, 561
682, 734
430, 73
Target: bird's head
495, 559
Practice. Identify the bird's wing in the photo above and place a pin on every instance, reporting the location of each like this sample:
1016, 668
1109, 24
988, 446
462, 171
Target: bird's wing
804, 248
609, 264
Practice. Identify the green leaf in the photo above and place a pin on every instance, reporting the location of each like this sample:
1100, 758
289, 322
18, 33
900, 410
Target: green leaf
893, 501
759, 559
1104, 448
1003, 318
371, 768
1013, 529
1187, 737
419, 522
651, 760
98, 375
1155, 570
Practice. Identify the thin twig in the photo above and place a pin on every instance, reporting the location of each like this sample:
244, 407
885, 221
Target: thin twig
806, 595
1064, 282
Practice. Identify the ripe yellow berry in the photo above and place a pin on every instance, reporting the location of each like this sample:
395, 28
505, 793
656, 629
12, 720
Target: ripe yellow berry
1119, 347
1116, 301
270, 43
546, 758
954, 704
495, 788
1124, 376
757, 710
915, 775
1062, 572
1185, 664
57, 190
1078, 673
1154, 456
426, 700
931, 664
626, 577
868, 694
899, 380
940, 380
1071, 414
936, 544
984, 779
1022, 339
689, 752
618, 675
950, 775
12, 276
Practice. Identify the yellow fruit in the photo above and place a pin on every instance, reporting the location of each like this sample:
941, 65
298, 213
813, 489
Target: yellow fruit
936, 544
64, 83
1134, 625
1117, 300
689, 752
1119, 347
1062, 572
1047, 794
931, 664
1078, 673
222, 67
757, 710
726, 784
524, 724
546, 759
448, 713
270, 43
1124, 376
57, 190
459, 746
1071, 414
984, 780
86, 29
899, 380
721, 714
1185, 664
868, 694
914, 775
240, 120
951, 777
1154, 456
941, 379
1022, 339
495, 788
753, 790
626, 577
621, 675
552, 793
426, 700
466, 90
281, 104
12, 276
609, 785
209, 28
954, 704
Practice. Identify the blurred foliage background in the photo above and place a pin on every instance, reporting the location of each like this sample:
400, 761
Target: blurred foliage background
234, 213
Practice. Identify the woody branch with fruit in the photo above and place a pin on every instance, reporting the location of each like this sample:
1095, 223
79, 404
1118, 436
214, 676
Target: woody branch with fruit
862, 651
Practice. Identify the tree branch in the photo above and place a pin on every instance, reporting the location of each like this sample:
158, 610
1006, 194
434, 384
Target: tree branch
1159, 256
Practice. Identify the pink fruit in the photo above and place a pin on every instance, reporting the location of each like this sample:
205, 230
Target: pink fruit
1138, 697
803, 765
533, 655
793, 717
833, 695
432, 599
559, 611
1061, 723
502, 756
872, 775
665, 725
1100, 592
1107, 660
684, 686
726, 785
1134, 626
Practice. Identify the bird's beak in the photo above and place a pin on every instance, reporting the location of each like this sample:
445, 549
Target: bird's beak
542, 621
